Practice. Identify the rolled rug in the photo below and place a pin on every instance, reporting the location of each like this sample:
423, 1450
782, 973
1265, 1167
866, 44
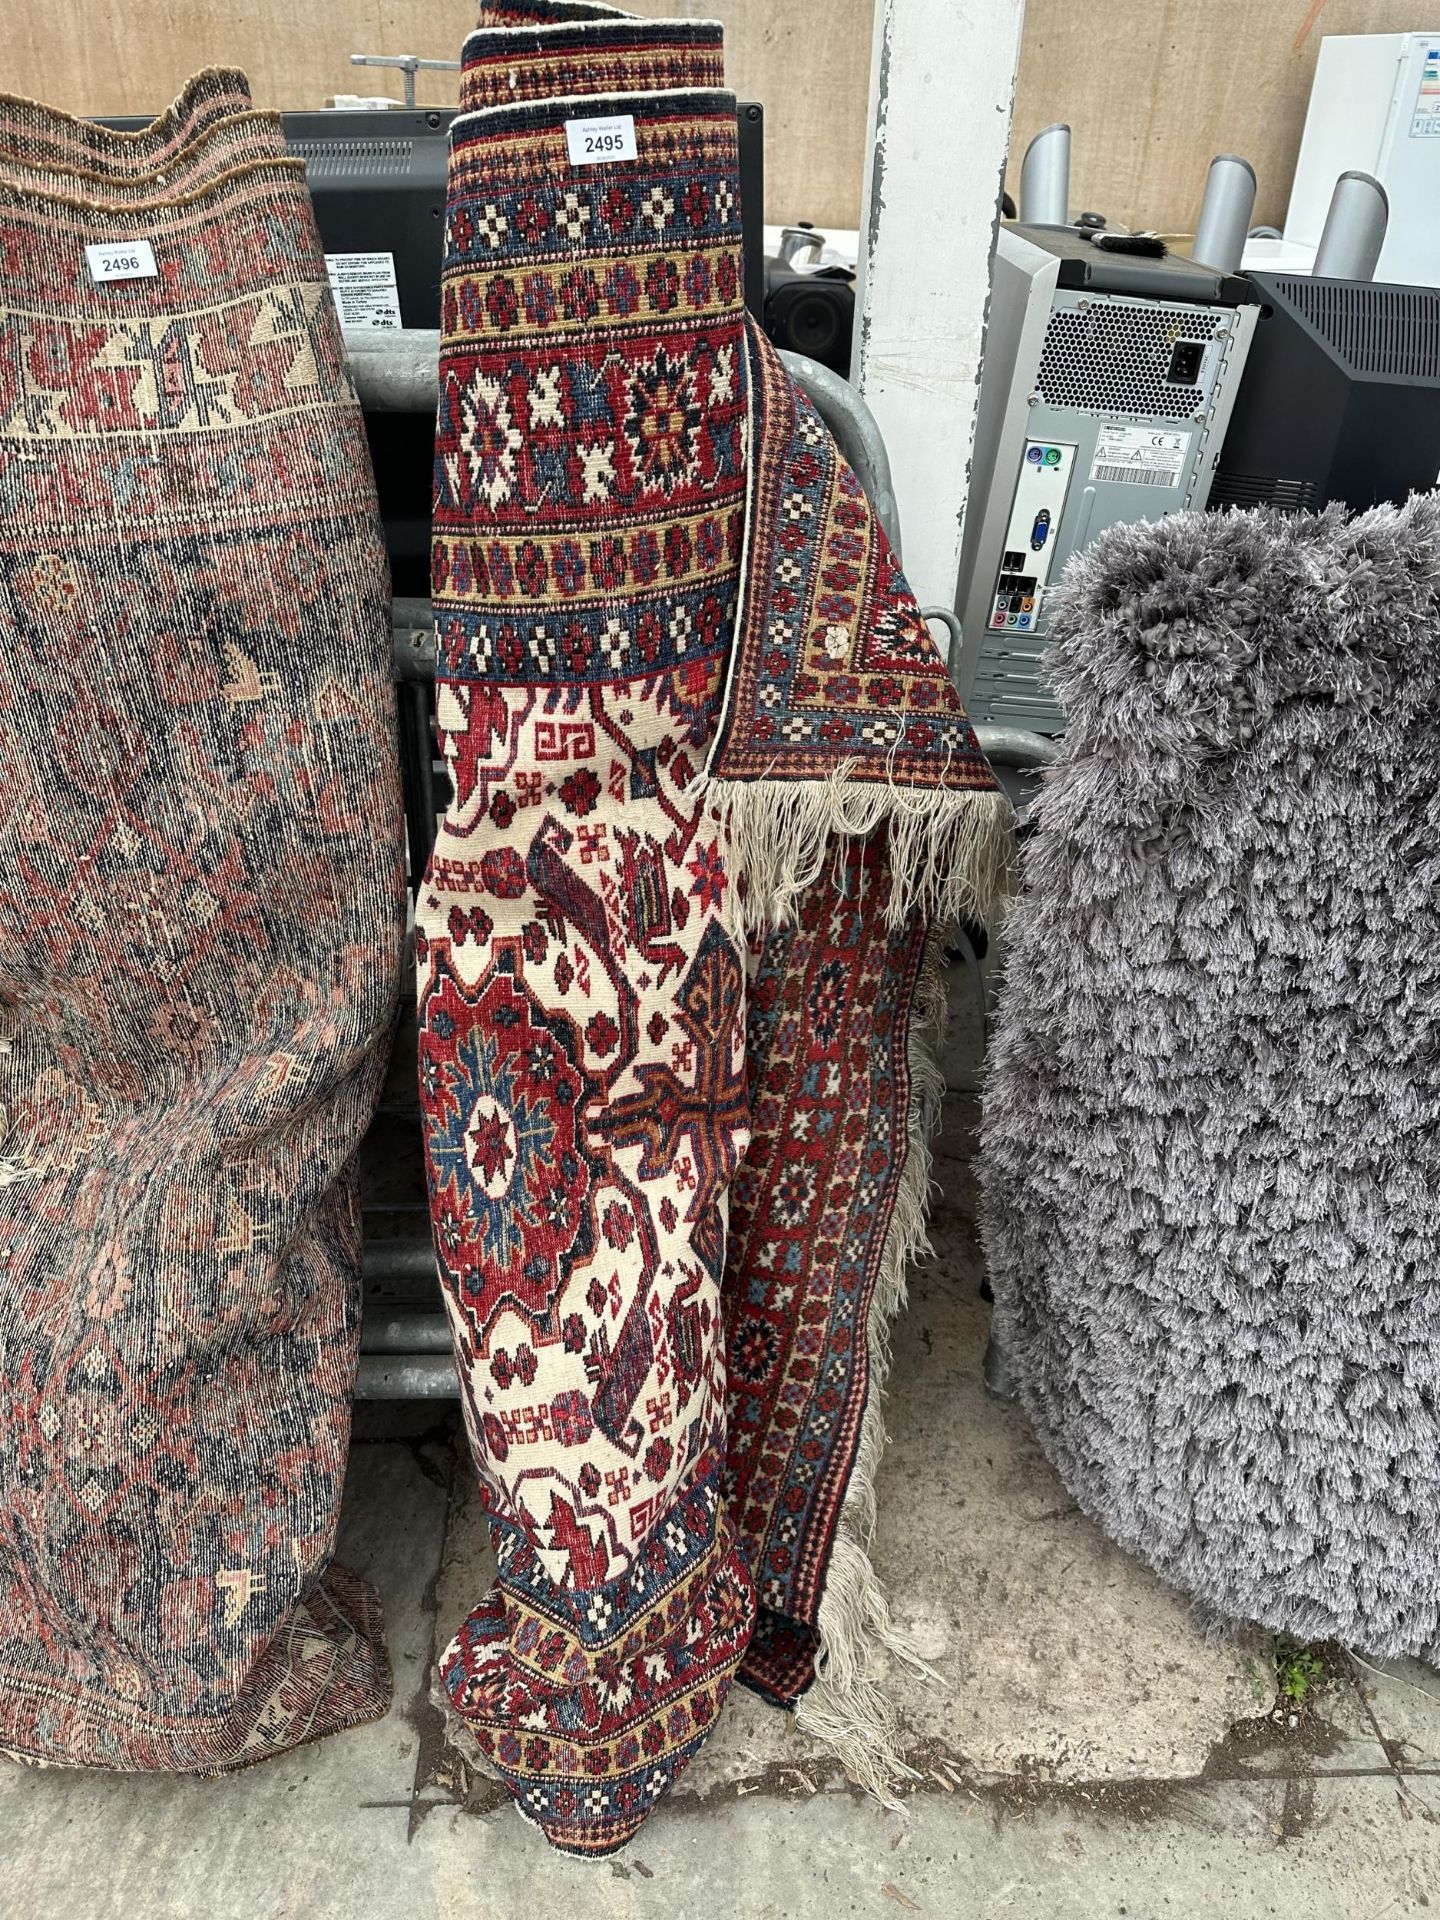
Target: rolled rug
658, 588
582, 1001
33, 136
1210, 1164
201, 929
218, 148
571, 47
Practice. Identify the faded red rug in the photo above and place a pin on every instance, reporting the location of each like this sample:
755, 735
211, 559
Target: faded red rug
34, 138
201, 924
714, 795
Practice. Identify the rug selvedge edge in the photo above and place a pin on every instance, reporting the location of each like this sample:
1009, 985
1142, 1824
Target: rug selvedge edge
846, 1710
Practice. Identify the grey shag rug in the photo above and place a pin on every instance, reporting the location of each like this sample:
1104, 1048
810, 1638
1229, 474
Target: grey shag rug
1211, 1146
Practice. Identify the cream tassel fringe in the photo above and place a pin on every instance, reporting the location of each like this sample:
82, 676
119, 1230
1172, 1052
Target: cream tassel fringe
847, 1709
950, 852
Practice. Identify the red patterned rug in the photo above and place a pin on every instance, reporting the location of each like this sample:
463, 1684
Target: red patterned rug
202, 905
713, 793
582, 1006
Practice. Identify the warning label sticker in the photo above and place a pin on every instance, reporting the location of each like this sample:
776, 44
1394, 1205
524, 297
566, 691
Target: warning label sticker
1141, 456
1425, 115
365, 288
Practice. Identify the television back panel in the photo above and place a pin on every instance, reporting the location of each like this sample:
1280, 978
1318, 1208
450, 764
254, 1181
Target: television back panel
377, 178
1340, 399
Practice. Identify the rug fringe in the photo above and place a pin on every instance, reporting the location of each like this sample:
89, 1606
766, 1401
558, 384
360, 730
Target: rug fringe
846, 1709
950, 851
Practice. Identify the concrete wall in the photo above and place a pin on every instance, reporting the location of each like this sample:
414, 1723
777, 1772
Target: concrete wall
927, 235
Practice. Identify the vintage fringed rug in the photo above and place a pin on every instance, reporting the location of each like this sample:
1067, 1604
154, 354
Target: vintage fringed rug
1211, 1158
713, 792
201, 930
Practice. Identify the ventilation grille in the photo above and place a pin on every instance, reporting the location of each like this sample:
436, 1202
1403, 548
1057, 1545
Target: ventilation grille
1112, 357
1263, 490
333, 159
1374, 329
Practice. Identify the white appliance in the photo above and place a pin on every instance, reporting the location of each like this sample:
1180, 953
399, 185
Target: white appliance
1272, 255
1375, 108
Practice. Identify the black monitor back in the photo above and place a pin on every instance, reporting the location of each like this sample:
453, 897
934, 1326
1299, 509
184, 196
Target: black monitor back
1340, 397
377, 177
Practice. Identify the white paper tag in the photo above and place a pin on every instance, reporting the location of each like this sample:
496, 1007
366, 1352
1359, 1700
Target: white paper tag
365, 289
1142, 456
609, 139
122, 260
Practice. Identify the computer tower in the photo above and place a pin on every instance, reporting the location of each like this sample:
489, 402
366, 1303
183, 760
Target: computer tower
1107, 385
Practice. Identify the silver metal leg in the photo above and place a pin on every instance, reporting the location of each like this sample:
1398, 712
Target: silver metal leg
415, 1376
857, 434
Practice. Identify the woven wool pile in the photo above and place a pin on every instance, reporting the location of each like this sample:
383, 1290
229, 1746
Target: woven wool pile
1210, 1164
201, 921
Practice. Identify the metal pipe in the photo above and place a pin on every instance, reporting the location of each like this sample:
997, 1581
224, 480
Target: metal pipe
402, 1260
1354, 229
405, 1333
1045, 178
1016, 746
413, 623
395, 372
955, 633
1000, 1376
426, 1376
1225, 212
857, 433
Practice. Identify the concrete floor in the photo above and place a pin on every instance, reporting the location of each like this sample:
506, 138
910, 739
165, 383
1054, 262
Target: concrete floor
1087, 1753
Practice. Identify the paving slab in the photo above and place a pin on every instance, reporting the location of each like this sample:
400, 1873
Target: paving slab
281, 1838
1334, 1734
1404, 1698
1323, 1850
1059, 1656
